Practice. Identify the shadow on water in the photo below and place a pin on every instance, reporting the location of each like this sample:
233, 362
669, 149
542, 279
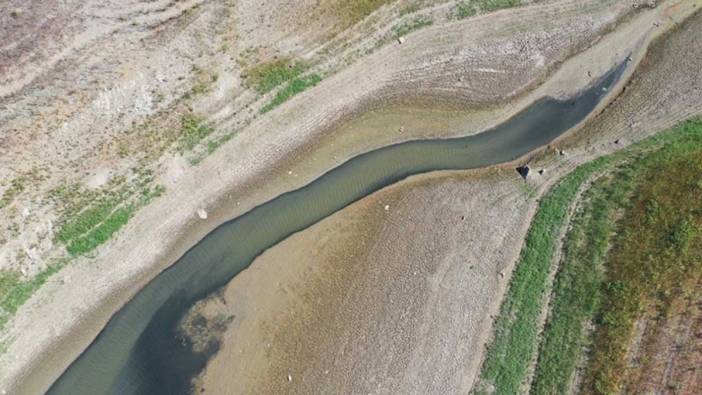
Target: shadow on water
141, 351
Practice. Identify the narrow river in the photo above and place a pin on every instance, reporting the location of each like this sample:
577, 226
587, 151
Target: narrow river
139, 350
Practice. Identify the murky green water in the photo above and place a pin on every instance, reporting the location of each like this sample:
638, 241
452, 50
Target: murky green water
139, 350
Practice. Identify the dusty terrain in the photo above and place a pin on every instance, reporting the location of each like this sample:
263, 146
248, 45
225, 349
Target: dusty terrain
101, 75
335, 306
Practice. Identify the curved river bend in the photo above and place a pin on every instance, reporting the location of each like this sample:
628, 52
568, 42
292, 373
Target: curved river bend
139, 350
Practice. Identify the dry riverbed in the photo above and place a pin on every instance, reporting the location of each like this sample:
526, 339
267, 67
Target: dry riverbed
302, 139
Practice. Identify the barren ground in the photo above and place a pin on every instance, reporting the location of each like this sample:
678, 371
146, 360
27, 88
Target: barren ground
118, 76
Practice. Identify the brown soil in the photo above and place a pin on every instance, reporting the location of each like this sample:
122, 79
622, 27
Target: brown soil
71, 138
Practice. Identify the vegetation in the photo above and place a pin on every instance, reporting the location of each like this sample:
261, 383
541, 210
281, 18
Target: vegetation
652, 255
468, 8
14, 291
293, 88
408, 27
355, 11
266, 76
89, 217
193, 130
16, 187
515, 330
508, 357
656, 255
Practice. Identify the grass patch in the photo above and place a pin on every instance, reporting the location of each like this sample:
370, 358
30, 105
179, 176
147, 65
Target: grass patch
193, 130
652, 253
408, 27
354, 11
293, 88
508, 357
657, 250
468, 8
266, 76
515, 330
14, 291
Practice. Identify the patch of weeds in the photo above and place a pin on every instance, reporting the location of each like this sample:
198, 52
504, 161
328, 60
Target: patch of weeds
17, 185
411, 7
193, 129
515, 329
354, 11
465, 9
293, 88
408, 27
468, 8
14, 290
266, 76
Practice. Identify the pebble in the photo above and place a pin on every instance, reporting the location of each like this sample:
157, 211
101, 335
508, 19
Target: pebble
387, 207
202, 213
401, 40
289, 378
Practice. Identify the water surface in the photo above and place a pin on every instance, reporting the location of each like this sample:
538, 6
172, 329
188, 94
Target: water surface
140, 351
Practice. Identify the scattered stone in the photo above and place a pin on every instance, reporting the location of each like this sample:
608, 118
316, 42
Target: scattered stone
463, 217
561, 153
16, 12
202, 213
387, 207
542, 171
289, 378
401, 129
501, 274
523, 171
401, 40
616, 141
651, 4
604, 89
289, 172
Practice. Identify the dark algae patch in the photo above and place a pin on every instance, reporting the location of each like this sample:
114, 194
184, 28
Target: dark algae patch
141, 349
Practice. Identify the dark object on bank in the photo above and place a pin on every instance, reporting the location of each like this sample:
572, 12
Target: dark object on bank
523, 171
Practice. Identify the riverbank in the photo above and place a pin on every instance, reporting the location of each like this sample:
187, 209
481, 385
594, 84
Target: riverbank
102, 279
298, 309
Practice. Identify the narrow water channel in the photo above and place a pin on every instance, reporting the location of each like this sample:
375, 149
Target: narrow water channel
139, 350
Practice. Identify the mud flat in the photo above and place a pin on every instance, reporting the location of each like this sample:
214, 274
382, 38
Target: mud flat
312, 307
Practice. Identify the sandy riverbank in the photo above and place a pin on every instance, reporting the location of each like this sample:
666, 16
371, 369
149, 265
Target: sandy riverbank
156, 236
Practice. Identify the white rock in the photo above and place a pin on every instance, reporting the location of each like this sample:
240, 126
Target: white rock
202, 213
401, 40
387, 207
289, 378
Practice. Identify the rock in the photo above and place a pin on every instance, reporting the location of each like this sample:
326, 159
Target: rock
16, 12
202, 213
401, 40
561, 153
542, 171
501, 274
523, 171
616, 141
387, 207
401, 129
289, 378
651, 4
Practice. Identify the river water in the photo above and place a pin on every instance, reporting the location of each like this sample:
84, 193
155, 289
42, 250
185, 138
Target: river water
141, 351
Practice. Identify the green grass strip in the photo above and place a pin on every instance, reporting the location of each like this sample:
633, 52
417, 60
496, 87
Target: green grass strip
293, 88
516, 329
